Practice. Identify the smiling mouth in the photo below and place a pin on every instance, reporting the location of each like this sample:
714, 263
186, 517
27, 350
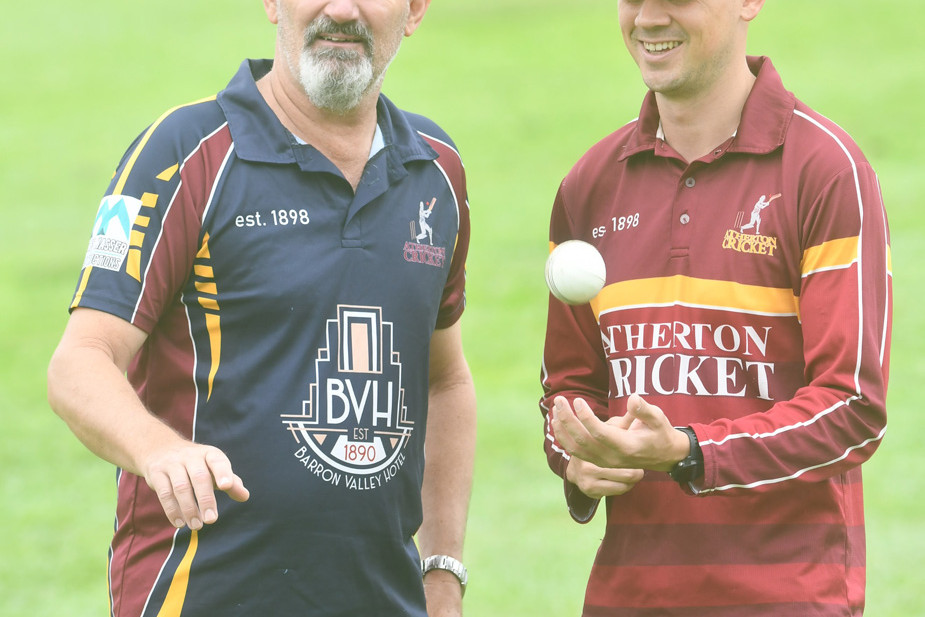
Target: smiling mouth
340, 38
661, 47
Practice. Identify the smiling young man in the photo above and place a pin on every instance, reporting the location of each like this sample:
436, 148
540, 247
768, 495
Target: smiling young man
254, 316
741, 342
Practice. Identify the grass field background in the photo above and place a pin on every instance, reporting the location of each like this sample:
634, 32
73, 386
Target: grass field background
525, 87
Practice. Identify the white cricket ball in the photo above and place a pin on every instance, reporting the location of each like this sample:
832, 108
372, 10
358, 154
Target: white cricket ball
575, 272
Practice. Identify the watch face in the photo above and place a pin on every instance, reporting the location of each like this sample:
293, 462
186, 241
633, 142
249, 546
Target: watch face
687, 471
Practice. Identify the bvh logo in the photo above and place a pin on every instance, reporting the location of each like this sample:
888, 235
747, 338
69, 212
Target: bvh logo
354, 427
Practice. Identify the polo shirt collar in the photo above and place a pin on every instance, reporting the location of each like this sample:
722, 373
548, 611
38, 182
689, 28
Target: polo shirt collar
765, 118
260, 137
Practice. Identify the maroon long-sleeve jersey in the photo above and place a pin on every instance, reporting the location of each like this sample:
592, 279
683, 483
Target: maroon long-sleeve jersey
748, 295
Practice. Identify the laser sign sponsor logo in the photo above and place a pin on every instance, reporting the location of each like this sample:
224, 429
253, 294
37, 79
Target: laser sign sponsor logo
746, 237
697, 359
112, 231
353, 429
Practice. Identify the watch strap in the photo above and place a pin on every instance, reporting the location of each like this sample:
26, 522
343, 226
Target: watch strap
450, 564
689, 468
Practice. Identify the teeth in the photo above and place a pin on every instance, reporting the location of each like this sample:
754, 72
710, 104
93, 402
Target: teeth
653, 47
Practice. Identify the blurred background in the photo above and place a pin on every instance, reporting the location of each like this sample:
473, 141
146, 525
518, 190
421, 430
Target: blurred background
524, 87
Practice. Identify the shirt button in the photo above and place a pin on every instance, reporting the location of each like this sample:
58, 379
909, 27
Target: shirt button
689, 183
685, 218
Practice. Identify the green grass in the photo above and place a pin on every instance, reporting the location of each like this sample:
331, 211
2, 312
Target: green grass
524, 86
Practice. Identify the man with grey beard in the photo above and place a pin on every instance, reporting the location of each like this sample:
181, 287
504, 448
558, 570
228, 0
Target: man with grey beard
256, 314
336, 79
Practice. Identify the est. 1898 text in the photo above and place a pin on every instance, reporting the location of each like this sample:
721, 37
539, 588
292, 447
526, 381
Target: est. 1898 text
276, 218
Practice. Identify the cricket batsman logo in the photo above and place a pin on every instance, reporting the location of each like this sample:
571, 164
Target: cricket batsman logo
415, 250
755, 221
738, 240
426, 230
354, 428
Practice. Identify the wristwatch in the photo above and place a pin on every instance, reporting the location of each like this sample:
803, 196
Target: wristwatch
690, 468
450, 564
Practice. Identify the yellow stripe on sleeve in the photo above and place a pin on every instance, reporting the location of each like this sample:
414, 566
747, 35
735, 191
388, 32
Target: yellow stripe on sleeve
133, 264
210, 304
84, 278
214, 325
168, 173
120, 185
136, 238
830, 255
206, 287
149, 200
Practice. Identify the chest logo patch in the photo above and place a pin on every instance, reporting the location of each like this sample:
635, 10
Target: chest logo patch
420, 249
353, 429
745, 237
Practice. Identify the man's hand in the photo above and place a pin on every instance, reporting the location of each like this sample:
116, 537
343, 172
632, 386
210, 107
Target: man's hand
185, 477
641, 439
88, 389
598, 482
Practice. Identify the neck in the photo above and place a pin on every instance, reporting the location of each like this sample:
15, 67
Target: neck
345, 139
695, 124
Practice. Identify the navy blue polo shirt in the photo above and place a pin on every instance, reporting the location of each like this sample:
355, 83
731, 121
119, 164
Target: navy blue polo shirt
289, 319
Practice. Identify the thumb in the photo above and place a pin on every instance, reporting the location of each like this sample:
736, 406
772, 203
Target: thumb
625, 421
638, 408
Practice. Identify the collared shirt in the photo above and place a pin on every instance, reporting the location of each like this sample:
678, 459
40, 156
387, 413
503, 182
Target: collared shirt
288, 322
748, 295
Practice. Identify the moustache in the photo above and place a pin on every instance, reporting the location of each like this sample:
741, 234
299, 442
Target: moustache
325, 28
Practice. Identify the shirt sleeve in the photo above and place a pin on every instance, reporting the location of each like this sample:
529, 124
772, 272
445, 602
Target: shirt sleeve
146, 233
573, 365
453, 301
838, 419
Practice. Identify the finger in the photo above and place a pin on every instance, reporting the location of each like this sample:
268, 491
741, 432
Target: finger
238, 491
225, 479
622, 475
560, 409
624, 422
562, 417
611, 482
596, 429
203, 491
162, 487
601, 489
184, 495
650, 415
568, 429
597, 482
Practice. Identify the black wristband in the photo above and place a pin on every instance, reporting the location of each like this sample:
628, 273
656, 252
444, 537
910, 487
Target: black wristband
691, 467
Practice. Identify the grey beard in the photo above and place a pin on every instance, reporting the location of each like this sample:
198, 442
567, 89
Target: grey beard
335, 80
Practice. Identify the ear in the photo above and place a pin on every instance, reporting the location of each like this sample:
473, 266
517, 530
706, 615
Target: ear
269, 6
750, 9
417, 8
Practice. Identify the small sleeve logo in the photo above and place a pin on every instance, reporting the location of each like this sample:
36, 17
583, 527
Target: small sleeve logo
112, 229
